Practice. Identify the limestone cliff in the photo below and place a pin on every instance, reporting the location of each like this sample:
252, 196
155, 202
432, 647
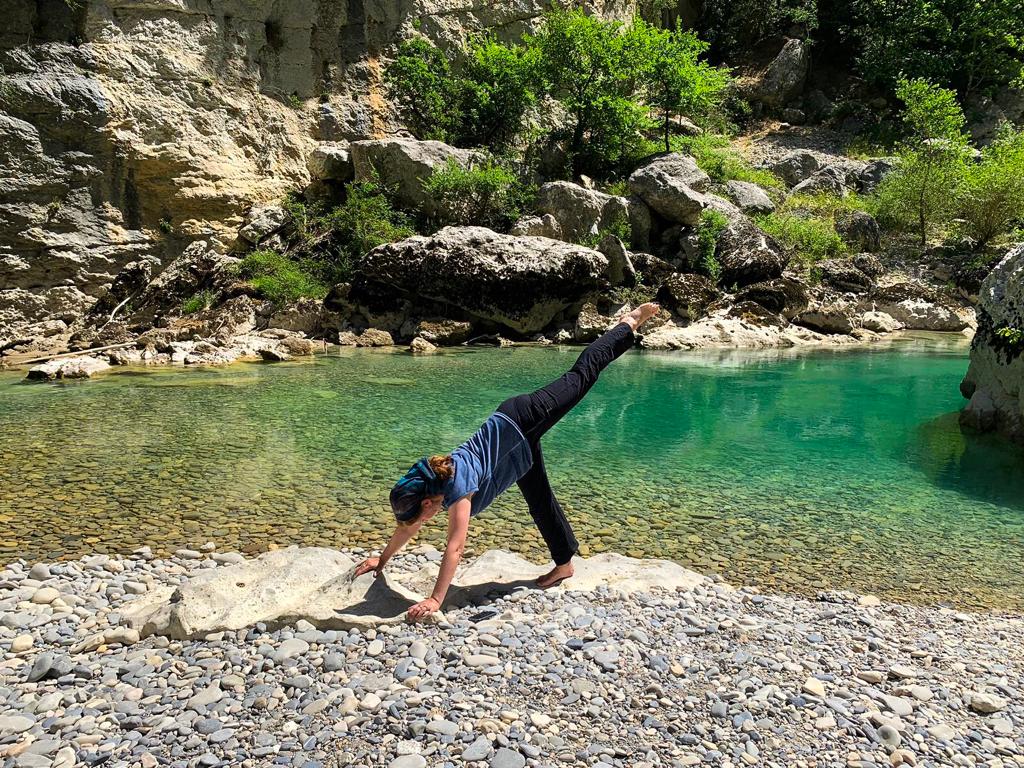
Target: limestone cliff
130, 128
995, 379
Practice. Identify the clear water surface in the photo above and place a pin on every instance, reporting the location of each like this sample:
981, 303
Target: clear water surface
794, 471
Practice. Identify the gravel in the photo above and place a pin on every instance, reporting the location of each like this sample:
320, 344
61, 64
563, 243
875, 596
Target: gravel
711, 676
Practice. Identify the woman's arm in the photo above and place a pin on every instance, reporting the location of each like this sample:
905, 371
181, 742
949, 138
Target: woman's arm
398, 540
458, 527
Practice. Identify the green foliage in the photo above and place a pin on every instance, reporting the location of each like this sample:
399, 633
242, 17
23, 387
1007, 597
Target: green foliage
678, 82
618, 226
828, 207
719, 161
331, 242
807, 239
295, 102
711, 226
922, 193
1011, 337
482, 104
486, 194
280, 278
735, 26
595, 68
972, 46
165, 225
993, 192
200, 301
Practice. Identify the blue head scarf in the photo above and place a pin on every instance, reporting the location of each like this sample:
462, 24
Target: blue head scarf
414, 486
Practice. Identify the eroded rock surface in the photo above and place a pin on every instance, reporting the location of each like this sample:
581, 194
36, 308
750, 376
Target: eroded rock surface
995, 380
319, 586
519, 282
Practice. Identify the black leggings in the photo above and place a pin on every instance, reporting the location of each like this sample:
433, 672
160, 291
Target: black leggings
538, 412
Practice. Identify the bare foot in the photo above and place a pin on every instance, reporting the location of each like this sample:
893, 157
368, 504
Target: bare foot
555, 576
641, 314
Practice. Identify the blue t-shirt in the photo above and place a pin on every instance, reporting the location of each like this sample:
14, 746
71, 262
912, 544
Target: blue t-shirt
488, 463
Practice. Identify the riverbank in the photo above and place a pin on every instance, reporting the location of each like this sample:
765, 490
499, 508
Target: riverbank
701, 674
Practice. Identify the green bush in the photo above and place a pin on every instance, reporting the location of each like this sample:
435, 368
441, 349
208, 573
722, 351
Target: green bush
711, 226
735, 26
330, 242
806, 239
487, 195
993, 193
922, 193
200, 301
280, 278
718, 160
422, 87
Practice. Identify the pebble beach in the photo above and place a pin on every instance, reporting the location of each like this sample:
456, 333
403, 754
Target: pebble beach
704, 676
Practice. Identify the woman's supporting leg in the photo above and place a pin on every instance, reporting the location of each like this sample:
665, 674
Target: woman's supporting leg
546, 511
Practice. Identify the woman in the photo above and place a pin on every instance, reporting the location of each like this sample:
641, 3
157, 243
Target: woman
505, 450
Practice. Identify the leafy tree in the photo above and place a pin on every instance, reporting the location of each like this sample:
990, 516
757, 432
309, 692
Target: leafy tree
595, 68
678, 82
735, 26
993, 197
922, 192
480, 103
973, 46
498, 85
421, 85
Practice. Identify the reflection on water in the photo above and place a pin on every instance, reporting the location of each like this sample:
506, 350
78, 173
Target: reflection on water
794, 470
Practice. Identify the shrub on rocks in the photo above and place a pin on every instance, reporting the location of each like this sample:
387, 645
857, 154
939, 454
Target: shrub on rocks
486, 194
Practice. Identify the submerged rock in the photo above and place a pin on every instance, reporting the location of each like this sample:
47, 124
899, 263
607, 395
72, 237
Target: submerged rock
68, 368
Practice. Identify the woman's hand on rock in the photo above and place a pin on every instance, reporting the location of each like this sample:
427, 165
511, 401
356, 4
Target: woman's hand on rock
422, 609
369, 564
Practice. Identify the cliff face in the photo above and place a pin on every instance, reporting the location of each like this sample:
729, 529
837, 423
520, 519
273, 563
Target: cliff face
995, 380
129, 128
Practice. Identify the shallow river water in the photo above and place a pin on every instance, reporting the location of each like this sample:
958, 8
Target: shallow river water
794, 471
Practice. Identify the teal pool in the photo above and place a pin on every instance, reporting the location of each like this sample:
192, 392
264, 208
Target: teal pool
795, 471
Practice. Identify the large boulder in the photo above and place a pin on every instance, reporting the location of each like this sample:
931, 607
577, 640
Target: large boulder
783, 296
330, 161
80, 367
584, 213
403, 165
519, 282
843, 275
673, 186
749, 198
874, 173
831, 314
994, 383
745, 252
830, 180
796, 166
687, 295
783, 80
198, 268
918, 308
860, 230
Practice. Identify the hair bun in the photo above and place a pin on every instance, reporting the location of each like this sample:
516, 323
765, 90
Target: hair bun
443, 467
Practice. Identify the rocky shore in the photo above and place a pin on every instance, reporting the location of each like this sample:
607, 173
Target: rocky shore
609, 671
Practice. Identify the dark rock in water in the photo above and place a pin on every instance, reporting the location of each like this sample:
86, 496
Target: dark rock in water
47, 666
860, 230
445, 333
844, 276
688, 295
519, 282
273, 355
782, 296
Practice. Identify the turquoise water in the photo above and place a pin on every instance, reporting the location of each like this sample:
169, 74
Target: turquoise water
795, 471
